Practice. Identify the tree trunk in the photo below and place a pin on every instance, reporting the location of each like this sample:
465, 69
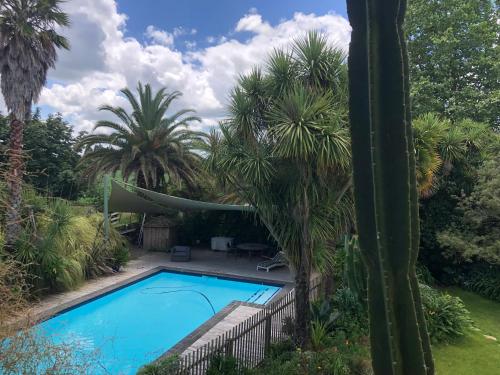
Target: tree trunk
303, 277
14, 184
141, 180
302, 307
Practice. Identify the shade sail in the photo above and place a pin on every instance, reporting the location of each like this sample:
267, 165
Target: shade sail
139, 200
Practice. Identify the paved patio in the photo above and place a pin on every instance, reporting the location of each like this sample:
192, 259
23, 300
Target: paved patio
203, 260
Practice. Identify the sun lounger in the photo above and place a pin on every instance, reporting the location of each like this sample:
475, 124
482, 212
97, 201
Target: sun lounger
278, 260
180, 254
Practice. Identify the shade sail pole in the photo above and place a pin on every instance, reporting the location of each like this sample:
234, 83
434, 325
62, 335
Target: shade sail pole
106, 206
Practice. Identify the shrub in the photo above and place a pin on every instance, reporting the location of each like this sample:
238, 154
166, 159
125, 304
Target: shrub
165, 366
353, 319
14, 292
23, 349
446, 316
280, 349
320, 335
338, 271
342, 315
29, 352
484, 280
424, 275
222, 365
339, 359
324, 314
64, 249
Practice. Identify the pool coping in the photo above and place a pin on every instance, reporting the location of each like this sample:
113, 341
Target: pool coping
202, 329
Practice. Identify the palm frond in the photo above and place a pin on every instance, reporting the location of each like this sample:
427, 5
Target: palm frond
146, 144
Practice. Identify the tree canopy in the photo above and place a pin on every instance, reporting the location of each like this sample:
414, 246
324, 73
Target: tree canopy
50, 156
441, 145
476, 235
146, 144
455, 59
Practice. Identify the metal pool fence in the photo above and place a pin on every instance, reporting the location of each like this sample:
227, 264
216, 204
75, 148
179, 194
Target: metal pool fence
249, 341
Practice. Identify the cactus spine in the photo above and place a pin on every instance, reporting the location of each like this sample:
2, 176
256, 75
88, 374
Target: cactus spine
385, 186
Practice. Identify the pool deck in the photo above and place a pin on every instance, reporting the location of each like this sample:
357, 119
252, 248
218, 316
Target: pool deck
235, 317
203, 261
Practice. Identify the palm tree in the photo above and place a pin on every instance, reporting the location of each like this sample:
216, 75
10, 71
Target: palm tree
28, 48
441, 144
285, 150
146, 145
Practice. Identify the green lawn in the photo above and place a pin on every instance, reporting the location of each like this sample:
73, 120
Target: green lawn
473, 354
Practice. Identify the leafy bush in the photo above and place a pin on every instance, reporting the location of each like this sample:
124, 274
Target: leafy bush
63, 249
24, 350
338, 271
165, 366
446, 316
14, 292
339, 359
29, 352
484, 280
221, 365
320, 335
353, 319
424, 275
341, 315
324, 313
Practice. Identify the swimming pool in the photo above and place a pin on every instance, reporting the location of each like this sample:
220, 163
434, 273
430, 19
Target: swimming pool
134, 325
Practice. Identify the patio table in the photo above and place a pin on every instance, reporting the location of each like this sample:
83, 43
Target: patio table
252, 248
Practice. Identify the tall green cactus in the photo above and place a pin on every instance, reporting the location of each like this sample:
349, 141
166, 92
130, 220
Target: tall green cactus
385, 186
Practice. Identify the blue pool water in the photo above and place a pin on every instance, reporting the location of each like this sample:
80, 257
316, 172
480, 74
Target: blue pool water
136, 324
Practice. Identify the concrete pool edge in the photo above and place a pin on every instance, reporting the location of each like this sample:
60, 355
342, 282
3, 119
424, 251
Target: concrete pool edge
192, 337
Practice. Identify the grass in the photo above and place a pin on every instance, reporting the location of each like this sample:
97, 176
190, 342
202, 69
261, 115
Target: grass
473, 353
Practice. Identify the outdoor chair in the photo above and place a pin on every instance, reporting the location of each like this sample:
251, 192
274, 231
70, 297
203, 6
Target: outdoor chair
180, 254
277, 261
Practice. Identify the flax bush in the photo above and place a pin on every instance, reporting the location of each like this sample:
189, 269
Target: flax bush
446, 316
62, 249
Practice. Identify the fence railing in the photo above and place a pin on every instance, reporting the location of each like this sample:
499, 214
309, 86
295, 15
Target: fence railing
249, 341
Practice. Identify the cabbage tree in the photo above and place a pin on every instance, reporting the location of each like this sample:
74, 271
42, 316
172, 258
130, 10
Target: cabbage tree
285, 149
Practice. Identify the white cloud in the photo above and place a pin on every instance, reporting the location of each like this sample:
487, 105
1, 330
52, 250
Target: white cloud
159, 36
179, 31
253, 23
190, 44
102, 60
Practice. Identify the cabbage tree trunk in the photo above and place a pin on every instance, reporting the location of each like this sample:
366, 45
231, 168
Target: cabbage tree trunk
303, 275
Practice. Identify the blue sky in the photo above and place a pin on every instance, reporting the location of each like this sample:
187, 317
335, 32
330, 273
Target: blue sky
198, 47
217, 17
